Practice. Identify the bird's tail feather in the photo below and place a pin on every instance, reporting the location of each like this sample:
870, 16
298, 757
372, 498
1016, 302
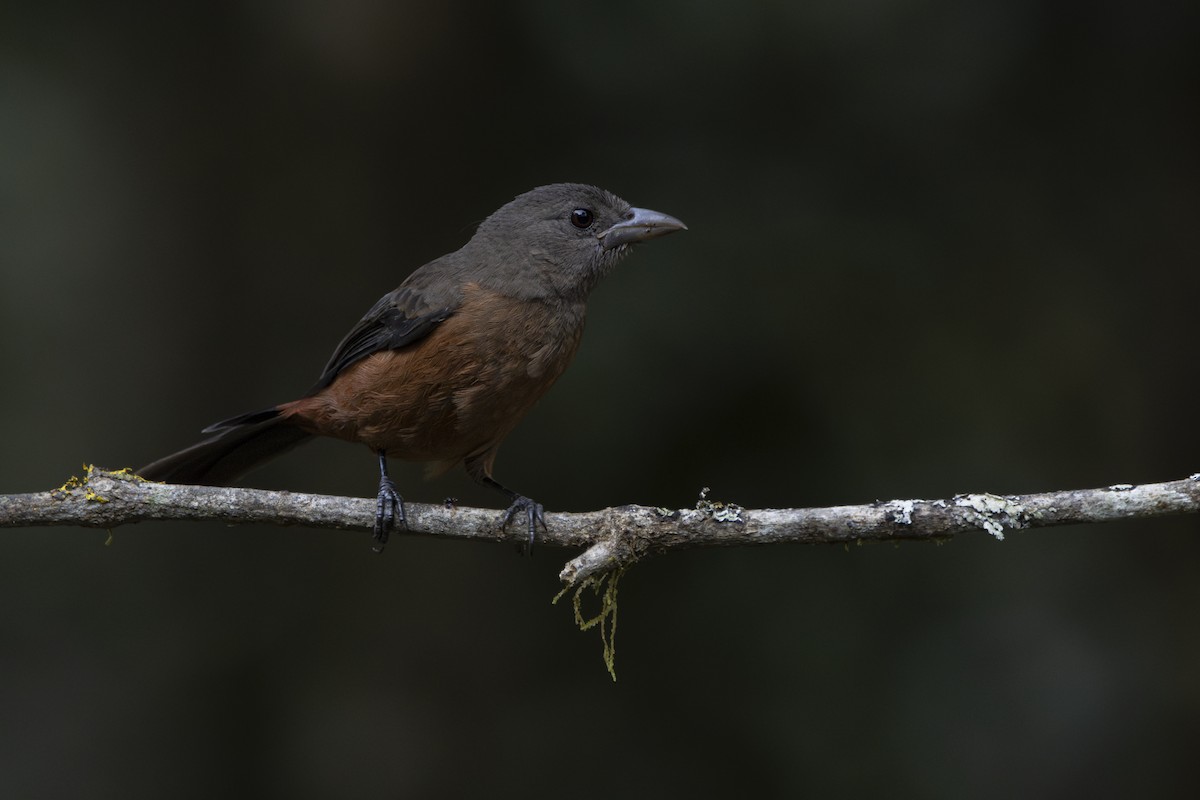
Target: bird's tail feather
235, 448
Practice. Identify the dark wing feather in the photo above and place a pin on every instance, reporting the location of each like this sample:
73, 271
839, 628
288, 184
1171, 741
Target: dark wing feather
397, 320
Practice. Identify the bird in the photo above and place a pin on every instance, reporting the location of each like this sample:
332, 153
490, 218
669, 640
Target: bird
441, 369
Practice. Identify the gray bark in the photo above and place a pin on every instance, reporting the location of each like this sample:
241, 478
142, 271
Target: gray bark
612, 537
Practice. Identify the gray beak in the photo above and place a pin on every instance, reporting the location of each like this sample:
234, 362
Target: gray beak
639, 225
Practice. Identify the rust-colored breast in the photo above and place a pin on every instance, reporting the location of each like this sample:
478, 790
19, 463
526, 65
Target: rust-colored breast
456, 393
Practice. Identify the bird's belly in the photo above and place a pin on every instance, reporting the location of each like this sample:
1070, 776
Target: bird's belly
454, 394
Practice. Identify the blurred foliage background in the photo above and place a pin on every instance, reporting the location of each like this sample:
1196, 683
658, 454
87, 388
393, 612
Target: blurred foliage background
934, 248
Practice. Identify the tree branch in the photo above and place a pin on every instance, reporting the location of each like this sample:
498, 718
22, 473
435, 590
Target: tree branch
613, 537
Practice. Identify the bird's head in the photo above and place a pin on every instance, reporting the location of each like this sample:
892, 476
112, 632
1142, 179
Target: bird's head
564, 237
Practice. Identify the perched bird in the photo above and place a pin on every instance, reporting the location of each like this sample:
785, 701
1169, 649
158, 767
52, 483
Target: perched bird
442, 368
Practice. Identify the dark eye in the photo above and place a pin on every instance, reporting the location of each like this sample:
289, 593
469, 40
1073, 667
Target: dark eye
581, 218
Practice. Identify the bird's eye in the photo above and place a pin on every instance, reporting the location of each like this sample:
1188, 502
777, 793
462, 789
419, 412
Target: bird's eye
581, 218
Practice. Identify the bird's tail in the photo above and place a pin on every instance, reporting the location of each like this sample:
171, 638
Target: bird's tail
235, 447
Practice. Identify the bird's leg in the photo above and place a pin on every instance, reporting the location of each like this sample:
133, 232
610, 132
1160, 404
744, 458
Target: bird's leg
534, 513
388, 506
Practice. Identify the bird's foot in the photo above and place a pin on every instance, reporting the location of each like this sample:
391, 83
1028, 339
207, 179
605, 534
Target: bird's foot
389, 506
534, 513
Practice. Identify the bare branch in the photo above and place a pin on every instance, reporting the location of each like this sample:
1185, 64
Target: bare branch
613, 537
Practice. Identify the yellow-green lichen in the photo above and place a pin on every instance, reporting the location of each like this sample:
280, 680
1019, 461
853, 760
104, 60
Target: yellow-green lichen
604, 586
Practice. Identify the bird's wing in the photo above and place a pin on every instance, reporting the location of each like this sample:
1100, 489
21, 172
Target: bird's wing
397, 320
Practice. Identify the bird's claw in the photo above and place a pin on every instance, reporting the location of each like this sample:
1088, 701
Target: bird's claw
534, 513
389, 506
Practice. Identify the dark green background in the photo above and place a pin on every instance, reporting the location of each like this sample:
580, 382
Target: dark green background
934, 248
